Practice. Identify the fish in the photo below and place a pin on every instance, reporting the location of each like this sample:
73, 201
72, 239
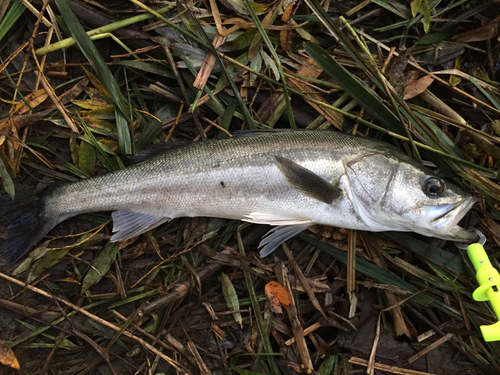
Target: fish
287, 179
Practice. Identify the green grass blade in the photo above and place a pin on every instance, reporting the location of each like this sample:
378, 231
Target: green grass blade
106, 77
244, 110
357, 90
382, 276
266, 343
15, 11
8, 184
277, 60
427, 251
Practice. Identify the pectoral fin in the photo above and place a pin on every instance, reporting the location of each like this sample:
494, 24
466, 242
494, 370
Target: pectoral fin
276, 236
307, 182
127, 224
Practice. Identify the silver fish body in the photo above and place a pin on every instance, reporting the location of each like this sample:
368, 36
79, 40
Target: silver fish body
287, 179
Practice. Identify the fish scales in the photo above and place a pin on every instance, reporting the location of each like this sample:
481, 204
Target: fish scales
288, 179
195, 180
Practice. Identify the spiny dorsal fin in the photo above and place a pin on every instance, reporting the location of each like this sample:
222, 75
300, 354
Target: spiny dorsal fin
256, 132
307, 182
156, 149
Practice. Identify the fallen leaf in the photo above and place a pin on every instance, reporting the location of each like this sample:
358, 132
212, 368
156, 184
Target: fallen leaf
480, 34
277, 297
7, 356
34, 100
232, 301
286, 33
417, 87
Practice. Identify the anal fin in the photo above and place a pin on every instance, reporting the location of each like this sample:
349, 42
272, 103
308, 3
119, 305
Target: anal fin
276, 236
128, 224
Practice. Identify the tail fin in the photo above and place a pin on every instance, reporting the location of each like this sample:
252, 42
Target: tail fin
23, 223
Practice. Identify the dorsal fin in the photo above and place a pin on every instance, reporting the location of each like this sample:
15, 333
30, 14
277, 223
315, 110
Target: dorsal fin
256, 132
156, 149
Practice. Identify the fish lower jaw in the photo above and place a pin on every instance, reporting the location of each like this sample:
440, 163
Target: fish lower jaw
446, 225
460, 234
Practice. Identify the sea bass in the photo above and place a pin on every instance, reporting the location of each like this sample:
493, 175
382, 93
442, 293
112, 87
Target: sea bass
290, 180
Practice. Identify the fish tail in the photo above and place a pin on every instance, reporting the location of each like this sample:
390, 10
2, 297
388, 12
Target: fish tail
23, 223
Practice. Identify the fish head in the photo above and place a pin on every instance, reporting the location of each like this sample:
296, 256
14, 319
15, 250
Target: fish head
393, 194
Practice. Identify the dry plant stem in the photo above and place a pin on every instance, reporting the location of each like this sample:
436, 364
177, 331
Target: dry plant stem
390, 369
40, 156
47, 41
194, 351
187, 101
208, 64
351, 261
400, 327
155, 340
432, 346
102, 351
303, 280
62, 109
177, 118
13, 55
4, 6
48, 360
371, 361
293, 316
215, 125
307, 331
455, 344
473, 340
437, 78
297, 85
38, 14
178, 366
181, 289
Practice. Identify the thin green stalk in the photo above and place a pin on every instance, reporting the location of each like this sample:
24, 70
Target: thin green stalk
170, 23
97, 33
264, 336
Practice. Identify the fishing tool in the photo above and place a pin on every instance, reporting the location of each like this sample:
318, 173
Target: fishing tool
489, 285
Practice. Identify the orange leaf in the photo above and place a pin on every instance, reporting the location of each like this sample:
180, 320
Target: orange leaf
7, 356
277, 297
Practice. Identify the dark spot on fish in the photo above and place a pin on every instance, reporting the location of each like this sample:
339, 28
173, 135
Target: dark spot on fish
223, 184
216, 165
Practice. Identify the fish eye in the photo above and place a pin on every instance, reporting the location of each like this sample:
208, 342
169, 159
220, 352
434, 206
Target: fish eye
433, 186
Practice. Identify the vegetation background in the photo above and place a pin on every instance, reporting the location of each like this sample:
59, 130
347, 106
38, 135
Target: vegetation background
84, 85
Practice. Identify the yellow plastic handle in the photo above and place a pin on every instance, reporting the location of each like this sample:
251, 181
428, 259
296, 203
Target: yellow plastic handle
489, 287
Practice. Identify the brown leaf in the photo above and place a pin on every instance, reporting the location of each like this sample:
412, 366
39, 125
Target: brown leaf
480, 34
286, 33
73, 92
417, 87
34, 99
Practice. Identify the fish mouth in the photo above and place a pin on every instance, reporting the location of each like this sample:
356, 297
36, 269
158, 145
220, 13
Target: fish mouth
444, 220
